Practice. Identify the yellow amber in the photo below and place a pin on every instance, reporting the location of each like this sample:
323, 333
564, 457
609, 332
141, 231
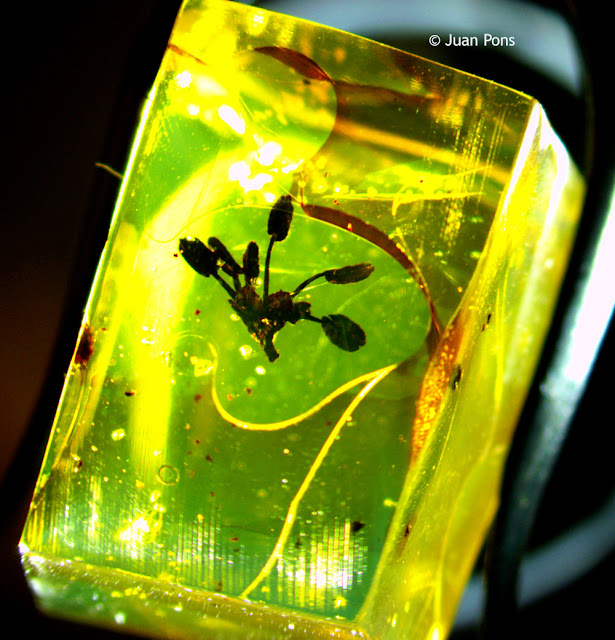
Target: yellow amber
308, 439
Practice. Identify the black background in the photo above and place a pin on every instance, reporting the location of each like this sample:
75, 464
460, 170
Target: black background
75, 76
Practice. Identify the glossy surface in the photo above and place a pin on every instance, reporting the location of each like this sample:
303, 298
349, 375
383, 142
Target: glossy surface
211, 469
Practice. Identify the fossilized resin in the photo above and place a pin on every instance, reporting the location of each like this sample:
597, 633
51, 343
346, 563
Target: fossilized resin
192, 484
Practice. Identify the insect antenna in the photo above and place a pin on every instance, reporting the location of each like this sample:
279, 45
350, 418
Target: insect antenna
229, 265
278, 226
251, 265
344, 275
203, 260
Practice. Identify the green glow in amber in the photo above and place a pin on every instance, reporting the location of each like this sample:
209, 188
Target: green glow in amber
280, 424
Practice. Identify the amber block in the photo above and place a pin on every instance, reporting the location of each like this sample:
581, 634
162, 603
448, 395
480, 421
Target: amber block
327, 281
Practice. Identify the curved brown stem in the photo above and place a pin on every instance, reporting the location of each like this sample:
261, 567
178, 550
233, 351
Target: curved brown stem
371, 233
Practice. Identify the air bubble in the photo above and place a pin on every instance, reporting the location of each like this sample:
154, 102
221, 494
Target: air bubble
202, 367
168, 474
77, 462
246, 351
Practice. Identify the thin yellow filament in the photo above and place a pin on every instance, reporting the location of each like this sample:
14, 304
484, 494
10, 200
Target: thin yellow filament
291, 515
276, 426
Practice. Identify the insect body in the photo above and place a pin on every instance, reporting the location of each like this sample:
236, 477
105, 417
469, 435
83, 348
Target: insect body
264, 316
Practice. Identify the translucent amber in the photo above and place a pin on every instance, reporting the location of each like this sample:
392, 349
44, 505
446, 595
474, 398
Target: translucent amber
290, 423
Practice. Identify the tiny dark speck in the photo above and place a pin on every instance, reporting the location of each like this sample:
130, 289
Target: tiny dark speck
129, 393
487, 321
356, 525
208, 458
456, 378
85, 349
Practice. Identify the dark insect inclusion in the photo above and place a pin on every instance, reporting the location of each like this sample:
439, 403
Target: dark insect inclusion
264, 316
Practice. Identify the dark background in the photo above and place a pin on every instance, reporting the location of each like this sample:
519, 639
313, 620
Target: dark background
75, 76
